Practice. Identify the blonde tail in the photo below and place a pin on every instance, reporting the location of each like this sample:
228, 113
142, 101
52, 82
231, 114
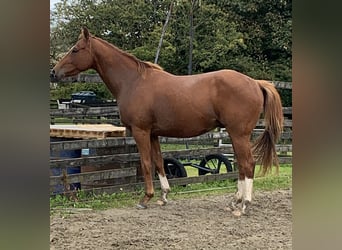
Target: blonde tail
264, 147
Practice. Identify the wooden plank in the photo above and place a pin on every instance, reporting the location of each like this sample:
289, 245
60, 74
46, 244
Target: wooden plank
93, 176
80, 112
282, 85
287, 110
94, 143
216, 136
135, 157
287, 135
95, 160
116, 122
172, 182
287, 123
86, 131
197, 153
285, 160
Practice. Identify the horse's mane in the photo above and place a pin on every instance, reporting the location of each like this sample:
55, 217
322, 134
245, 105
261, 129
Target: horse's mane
142, 65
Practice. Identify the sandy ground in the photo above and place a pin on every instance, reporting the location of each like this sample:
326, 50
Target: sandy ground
196, 223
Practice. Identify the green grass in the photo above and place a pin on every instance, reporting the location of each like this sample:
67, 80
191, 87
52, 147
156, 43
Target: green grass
273, 181
62, 204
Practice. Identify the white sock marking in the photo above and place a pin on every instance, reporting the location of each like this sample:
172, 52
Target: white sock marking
164, 183
241, 187
248, 189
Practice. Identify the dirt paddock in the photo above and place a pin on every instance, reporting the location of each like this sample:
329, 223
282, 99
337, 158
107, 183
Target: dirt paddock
196, 223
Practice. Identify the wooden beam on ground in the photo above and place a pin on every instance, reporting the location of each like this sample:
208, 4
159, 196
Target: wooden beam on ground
93, 176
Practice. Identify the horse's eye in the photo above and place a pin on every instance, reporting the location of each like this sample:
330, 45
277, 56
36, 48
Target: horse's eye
74, 50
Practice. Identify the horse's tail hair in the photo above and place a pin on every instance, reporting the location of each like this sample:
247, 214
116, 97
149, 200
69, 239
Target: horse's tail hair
264, 147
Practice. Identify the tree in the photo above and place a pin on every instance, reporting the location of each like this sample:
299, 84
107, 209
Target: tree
251, 36
266, 26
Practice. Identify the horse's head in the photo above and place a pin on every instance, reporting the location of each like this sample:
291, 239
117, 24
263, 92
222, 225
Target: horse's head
76, 60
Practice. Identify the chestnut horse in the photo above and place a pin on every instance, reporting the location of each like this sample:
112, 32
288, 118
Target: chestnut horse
153, 103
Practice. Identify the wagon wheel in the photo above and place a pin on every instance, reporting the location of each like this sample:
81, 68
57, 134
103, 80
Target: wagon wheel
173, 168
216, 163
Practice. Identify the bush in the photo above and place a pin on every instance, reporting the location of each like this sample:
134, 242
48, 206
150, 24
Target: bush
286, 97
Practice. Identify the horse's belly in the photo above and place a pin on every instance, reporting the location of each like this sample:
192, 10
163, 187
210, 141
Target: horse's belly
184, 129
178, 133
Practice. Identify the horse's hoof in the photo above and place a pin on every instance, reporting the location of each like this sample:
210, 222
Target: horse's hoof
141, 206
237, 213
227, 209
161, 202
234, 205
246, 207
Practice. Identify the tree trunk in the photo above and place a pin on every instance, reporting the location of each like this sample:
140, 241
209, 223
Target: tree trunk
163, 33
191, 36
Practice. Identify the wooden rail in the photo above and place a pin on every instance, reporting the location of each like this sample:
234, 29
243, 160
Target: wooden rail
177, 181
94, 176
134, 157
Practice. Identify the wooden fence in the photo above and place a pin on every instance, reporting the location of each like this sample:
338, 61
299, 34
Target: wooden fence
113, 164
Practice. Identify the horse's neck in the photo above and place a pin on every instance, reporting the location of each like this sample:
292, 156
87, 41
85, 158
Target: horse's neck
117, 72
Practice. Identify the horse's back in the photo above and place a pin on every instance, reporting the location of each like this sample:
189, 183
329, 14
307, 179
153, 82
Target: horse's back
224, 87
210, 92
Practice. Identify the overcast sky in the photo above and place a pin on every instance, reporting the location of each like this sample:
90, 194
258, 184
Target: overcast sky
52, 3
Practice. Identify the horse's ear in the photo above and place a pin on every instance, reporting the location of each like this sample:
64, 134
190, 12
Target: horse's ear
85, 33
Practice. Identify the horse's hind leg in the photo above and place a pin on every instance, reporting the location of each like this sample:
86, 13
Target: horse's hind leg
143, 140
157, 160
246, 165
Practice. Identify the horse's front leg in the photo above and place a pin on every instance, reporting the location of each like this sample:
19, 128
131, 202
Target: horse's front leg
237, 199
158, 162
142, 138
